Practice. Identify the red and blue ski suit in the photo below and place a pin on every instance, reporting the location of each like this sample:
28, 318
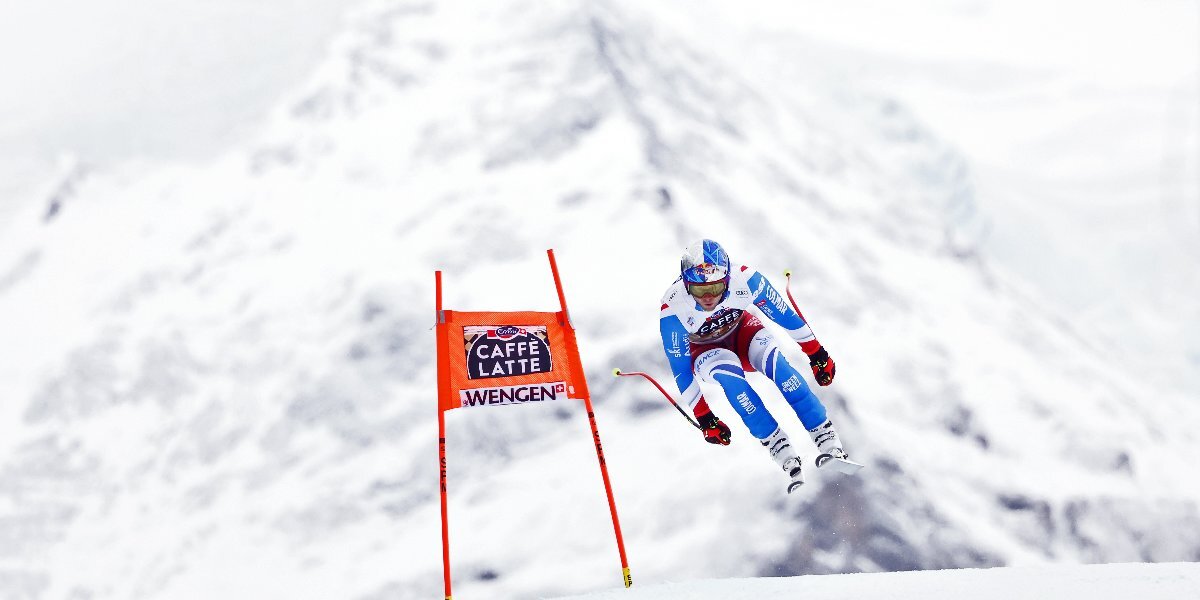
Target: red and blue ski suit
721, 345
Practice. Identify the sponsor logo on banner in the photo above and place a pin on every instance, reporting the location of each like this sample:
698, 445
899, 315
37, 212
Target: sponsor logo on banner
513, 394
506, 350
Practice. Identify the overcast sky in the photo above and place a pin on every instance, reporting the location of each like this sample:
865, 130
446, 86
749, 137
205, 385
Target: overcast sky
103, 81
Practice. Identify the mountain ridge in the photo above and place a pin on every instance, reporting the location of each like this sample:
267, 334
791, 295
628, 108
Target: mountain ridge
245, 371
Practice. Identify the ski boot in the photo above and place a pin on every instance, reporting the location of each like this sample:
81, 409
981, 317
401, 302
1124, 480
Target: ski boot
829, 445
782, 453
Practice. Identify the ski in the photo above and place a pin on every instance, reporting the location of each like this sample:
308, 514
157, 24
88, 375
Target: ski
841, 465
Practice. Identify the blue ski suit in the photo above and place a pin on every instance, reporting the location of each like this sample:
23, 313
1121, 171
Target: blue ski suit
720, 345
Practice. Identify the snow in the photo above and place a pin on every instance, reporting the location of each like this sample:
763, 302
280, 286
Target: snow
217, 370
1087, 582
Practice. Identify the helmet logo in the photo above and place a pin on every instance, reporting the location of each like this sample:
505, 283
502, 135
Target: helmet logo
705, 272
704, 262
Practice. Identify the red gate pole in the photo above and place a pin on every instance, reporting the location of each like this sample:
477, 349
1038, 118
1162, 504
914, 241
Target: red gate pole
587, 402
443, 373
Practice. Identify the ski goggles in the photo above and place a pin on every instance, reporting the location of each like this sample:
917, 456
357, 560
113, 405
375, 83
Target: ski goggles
701, 290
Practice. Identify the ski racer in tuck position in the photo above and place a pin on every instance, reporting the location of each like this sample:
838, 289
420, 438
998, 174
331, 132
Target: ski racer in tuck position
708, 331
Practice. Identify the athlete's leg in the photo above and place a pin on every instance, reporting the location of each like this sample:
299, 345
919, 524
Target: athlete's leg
767, 359
722, 367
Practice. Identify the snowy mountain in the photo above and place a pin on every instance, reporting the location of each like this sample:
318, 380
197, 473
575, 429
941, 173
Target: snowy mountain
220, 379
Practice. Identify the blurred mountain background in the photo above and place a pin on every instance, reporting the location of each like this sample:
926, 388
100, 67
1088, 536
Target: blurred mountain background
216, 291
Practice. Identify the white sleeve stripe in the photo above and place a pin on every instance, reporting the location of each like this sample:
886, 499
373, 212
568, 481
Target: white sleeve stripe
804, 334
691, 396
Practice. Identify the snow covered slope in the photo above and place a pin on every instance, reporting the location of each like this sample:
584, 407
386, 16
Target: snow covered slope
222, 378
1092, 582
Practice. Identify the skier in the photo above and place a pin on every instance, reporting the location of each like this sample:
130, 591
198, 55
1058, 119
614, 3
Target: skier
708, 330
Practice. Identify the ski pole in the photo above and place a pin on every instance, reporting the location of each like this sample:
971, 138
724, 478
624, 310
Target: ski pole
787, 273
618, 373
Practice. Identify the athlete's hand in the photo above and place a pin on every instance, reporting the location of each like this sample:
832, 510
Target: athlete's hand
715, 432
822, 366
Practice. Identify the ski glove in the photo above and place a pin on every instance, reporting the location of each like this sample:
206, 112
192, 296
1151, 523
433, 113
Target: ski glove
715, 432
822, 366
